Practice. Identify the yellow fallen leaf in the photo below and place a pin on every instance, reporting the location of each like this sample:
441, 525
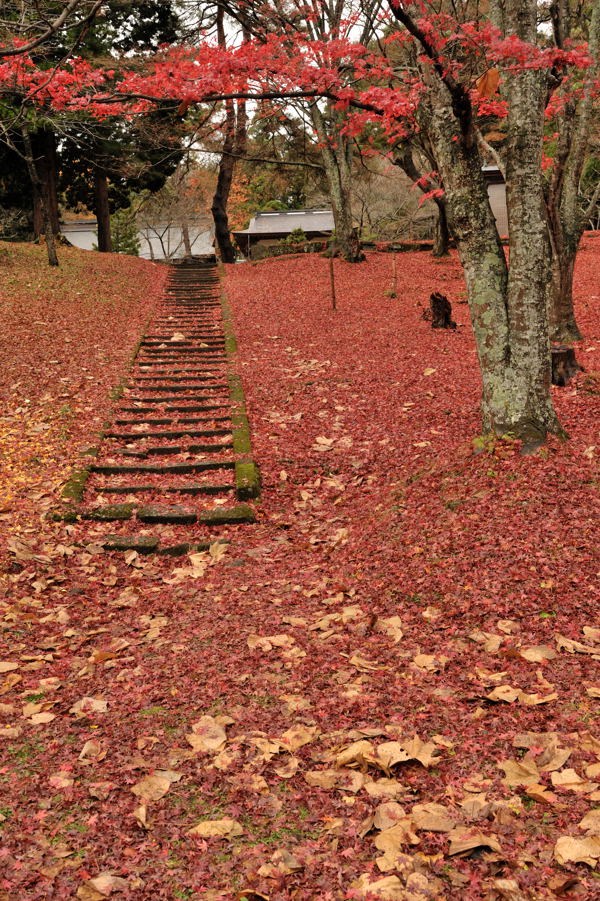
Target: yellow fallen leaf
224, 828
429, 371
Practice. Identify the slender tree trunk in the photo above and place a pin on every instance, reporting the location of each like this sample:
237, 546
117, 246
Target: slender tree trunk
185, 231
441, 241
234, 141
38, 193
338, 171
102, 211
43, 144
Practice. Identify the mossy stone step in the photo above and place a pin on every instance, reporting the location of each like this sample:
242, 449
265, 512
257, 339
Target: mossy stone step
192, 490
181, 433
168, 514
172, 450
143, 544
222, 516
168, 469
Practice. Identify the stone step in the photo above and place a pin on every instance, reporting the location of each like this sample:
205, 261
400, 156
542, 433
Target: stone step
170, 514
169, 450
181, 433
192, 490
111, 469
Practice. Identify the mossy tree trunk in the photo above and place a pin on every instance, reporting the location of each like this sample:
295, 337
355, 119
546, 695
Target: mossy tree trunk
508, 307
566, 210
336, 152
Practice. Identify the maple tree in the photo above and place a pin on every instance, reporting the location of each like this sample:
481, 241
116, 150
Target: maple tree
450, 51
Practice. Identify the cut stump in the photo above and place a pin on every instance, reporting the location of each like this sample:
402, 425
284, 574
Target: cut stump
440, 312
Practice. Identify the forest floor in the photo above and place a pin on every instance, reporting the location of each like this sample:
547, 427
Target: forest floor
387, 687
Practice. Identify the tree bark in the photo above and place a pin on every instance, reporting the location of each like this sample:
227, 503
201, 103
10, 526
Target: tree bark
441, 240
508, 309
233, 146
185, 231
337, 162
43, 145
566, 220
102, 210
38, 194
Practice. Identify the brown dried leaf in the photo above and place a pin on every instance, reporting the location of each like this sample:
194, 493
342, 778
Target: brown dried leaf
155, 786
464, 840
396, 837
433, 817
569, 780
388, 814
390, 888
384, 788
88, 706
224, 828
577, 850
591, 822
538, 653
298, 736
207, 735
520, 772
505, 693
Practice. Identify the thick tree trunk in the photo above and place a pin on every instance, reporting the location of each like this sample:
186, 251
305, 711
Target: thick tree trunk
563, 324
102, 210
441, 240
43, 145
38, 194
338, 171
508, 310
566, 220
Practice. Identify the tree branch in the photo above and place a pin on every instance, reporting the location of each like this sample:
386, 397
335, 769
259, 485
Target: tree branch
52, 28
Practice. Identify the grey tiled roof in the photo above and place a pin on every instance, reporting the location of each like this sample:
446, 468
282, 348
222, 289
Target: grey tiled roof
285, 221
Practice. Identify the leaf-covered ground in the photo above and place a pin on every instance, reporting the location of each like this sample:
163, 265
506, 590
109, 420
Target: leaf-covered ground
386, 688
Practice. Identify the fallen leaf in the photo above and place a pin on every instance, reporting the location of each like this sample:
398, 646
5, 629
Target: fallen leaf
433, 817
88, 706
577, 850
463, 840
224, 828
207, 735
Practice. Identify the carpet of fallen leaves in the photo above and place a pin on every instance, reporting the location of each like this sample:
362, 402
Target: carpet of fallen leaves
67, 338
387, 688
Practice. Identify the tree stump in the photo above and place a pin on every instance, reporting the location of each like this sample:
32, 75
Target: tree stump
441, 311
564, 364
